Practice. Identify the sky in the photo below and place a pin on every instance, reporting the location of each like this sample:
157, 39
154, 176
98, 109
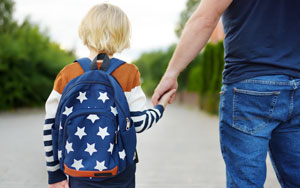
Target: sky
153, 22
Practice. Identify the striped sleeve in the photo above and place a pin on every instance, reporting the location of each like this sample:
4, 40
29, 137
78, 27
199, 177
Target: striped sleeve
54, 173
143, 118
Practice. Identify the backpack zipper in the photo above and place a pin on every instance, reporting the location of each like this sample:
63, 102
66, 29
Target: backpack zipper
128, 123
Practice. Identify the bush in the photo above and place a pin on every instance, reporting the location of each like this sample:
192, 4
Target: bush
29, 63
152, 66
206, 77
203, 75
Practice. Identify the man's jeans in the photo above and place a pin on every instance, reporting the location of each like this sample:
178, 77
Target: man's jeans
256, 116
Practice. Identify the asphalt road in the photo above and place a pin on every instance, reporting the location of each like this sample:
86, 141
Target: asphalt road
182, 151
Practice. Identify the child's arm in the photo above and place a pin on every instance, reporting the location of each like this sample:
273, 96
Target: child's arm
144, 118
54, 173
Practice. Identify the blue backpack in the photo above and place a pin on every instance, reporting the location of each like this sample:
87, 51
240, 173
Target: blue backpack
93, 134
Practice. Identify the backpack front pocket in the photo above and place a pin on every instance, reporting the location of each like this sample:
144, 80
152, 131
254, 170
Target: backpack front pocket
89, 139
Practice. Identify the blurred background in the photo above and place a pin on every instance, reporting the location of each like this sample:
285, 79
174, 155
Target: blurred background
38, 38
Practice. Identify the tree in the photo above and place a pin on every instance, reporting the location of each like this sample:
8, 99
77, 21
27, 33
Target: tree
29, 62
152, 66
190, 7
6, 10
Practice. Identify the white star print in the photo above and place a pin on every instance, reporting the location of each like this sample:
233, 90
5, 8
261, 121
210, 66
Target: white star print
69, 147
68, 111
103, 132
100, 165
111, 147
90, 149
60, 127
103, 97
93, 117
77, 164
81, 96
113, 110
122, 154
80, 132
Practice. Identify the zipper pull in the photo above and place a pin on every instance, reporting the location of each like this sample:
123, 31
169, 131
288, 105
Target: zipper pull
116, 137
128, 124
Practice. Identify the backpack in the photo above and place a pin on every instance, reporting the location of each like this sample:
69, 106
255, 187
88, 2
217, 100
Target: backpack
93, 134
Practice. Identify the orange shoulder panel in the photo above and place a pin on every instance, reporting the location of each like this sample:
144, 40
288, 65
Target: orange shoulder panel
127, 75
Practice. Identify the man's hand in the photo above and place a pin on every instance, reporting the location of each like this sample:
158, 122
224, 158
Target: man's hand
166, 97
167, 83
194, 37
62, 184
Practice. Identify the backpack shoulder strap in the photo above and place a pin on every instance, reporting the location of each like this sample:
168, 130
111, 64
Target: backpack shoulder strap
85, 63
114, 64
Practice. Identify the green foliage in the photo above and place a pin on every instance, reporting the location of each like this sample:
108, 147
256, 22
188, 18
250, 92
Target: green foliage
190, 7
6, 10
29, 63
152, 66
203, 75
206, 77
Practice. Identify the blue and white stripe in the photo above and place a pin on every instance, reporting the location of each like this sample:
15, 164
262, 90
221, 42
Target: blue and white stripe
52, 165
144, 120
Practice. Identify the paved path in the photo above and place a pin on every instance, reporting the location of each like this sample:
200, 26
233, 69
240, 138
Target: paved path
181, 151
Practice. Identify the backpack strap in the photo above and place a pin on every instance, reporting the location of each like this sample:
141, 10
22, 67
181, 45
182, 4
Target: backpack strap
105, 64
114, 64
85, 63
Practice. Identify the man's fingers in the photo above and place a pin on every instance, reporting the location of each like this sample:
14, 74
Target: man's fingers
155, 98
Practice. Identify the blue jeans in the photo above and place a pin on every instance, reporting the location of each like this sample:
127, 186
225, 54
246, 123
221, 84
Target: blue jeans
256, 116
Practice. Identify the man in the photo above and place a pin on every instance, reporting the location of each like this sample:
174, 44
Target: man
259, 105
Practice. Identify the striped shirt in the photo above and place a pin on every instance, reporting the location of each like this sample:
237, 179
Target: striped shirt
129, 78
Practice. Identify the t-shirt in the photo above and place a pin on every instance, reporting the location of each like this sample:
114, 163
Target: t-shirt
262, 38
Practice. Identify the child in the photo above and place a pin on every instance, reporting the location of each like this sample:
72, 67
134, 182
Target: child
105, 29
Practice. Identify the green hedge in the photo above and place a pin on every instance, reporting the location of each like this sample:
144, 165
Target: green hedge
29, 63
203, 75
152, 66
206, 77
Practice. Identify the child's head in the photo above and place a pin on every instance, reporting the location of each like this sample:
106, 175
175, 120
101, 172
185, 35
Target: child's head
106, 29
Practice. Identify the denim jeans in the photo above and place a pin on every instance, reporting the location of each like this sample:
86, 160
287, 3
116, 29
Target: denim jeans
256, 116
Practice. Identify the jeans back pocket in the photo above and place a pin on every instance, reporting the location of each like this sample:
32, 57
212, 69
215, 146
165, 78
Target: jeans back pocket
252, 110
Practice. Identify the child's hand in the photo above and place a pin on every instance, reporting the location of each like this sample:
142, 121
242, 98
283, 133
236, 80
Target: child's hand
62, 184
166, 97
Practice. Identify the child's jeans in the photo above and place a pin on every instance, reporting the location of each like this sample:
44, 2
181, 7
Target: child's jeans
125, 180
257, 115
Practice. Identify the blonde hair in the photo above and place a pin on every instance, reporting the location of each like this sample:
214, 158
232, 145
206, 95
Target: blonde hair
106, 28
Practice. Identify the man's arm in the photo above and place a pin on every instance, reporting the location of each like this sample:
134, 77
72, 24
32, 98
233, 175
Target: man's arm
195, 35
